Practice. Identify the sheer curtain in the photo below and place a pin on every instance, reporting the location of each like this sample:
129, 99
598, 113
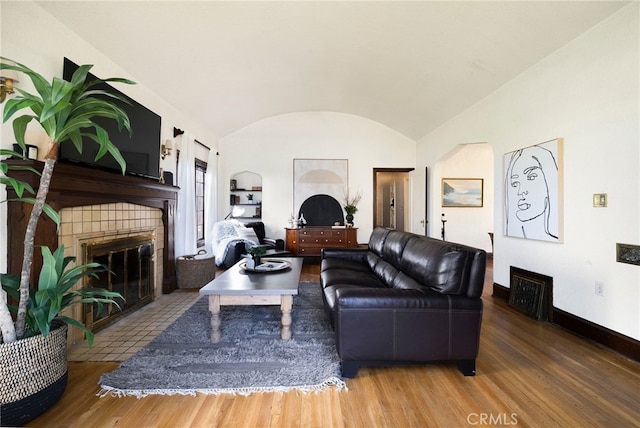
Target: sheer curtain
210, 199
185, 227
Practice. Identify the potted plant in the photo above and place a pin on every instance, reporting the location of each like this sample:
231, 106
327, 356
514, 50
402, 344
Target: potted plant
66, 112
351, 206
256, 252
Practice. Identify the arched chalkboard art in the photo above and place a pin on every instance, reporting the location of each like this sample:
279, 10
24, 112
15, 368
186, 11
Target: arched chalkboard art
312, 177
321, 210
533, 192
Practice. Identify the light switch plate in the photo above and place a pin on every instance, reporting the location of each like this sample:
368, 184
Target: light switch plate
599, 200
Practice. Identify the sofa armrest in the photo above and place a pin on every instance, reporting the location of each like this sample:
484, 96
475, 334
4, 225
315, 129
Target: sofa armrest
353, 254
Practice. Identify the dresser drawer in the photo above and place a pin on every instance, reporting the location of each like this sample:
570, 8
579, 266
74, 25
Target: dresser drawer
311, 240
321, 238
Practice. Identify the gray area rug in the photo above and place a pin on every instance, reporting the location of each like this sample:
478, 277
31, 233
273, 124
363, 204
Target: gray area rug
249, 358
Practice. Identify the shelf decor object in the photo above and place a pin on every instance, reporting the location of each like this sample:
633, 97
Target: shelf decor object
245, 198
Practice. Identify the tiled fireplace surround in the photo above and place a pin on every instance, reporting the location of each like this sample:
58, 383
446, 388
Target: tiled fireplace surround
105, 222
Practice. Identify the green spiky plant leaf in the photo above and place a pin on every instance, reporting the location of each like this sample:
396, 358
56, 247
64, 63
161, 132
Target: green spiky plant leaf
66, 112
55, 292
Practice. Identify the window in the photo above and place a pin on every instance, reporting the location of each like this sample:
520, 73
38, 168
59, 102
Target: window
201, 172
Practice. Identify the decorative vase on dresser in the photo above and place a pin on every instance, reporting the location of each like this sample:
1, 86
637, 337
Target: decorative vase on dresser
349, 218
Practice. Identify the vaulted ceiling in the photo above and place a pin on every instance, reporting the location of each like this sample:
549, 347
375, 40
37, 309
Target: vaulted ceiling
408, 65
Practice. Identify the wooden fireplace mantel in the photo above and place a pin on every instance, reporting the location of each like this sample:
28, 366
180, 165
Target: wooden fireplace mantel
73, 186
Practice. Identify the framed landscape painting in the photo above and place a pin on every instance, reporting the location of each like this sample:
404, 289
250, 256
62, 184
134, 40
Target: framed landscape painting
462, 192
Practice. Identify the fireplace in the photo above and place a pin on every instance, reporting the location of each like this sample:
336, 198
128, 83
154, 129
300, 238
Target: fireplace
130, 272
94, 206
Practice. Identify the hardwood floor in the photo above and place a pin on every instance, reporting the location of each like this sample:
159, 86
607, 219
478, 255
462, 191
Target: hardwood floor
529, 374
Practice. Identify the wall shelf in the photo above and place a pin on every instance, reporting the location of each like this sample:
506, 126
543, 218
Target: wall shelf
240, 185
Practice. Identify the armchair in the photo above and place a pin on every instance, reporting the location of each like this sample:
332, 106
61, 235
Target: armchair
270, 243
232, 239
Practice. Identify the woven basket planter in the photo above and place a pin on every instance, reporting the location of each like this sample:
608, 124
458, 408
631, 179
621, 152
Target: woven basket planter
33, 376
195, 270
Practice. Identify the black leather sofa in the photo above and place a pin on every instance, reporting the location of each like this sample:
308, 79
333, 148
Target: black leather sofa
406, 299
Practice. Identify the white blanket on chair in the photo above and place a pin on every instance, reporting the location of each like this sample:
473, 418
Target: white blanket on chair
227, 234
223, 247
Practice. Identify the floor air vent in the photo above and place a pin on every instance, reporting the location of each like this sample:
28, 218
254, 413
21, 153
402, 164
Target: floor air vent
531, 293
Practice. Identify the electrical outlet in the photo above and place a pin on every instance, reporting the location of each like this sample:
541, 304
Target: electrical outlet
599, 288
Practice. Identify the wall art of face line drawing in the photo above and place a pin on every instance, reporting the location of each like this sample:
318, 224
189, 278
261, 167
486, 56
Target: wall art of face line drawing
533, 187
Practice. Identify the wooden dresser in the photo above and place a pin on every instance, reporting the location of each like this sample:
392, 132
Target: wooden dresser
308, 241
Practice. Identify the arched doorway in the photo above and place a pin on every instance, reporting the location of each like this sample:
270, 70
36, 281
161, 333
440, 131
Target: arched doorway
466, 225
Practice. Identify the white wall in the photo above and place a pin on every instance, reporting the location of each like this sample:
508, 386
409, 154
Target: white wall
32, 37
469, 226
268, 148
587, 93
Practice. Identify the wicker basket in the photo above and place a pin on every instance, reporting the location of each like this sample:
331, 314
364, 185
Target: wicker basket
33, 376
195, 272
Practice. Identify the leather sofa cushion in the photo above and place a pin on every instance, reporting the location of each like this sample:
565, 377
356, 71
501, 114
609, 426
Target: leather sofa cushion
405, 282
348, 264
377, 239
440, 267
339, 277
386, 272
394, 246
330, 293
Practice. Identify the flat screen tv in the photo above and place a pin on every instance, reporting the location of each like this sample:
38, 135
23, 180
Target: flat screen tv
141, 150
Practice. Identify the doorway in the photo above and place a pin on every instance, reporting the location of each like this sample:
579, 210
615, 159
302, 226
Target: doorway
391, 202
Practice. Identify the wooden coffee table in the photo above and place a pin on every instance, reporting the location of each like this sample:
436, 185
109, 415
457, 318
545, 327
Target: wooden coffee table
237, 286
